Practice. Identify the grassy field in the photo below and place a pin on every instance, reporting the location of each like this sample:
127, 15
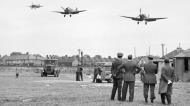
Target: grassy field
32, 90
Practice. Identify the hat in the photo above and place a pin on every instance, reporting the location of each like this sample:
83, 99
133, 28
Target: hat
119, 54
166, 60
150, 57
130, 56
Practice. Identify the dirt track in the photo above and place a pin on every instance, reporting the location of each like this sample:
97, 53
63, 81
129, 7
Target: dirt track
32, 90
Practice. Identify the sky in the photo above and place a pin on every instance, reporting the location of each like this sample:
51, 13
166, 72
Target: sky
98, 31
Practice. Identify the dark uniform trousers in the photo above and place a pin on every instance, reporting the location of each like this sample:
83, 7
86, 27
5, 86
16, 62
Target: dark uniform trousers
131, 85
95, 77
146, 89
166, 96
77, 76
81, 76
117, 84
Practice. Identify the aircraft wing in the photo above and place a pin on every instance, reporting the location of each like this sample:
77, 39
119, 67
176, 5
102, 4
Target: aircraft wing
133, 18
153, 19
61, 12
76, 12
82, 10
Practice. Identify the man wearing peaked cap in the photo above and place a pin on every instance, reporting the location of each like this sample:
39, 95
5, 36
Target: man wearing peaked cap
119, 54
150, 57
117, 76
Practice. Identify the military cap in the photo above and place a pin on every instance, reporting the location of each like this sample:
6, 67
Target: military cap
166, 60
130, 56
150, 57
119, 54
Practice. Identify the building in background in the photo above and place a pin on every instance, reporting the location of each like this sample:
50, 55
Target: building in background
19, 59
182, 65
174, 53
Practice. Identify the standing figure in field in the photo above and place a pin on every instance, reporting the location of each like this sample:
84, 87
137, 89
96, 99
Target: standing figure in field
17, 73
149, 79
117, 75
130, 69
79, 73
97, 71
166, 82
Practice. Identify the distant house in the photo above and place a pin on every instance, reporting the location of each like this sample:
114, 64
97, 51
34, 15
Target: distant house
182, 66
24, 60
66, 61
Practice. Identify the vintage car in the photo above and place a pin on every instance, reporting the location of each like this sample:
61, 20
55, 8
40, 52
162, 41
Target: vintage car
106, 72
50, 68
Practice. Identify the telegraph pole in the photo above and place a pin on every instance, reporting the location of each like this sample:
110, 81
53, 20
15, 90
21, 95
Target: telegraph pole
79, 56
162, 49
135, 52
149, 50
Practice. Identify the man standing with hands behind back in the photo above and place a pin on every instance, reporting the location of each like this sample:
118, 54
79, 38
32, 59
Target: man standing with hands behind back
131, 68
117, 76
166, 82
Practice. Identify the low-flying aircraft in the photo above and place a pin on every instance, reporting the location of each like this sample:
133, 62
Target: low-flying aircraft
143, 17
35, 6
69, 11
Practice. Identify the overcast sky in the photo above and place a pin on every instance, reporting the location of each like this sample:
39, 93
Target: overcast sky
99, 30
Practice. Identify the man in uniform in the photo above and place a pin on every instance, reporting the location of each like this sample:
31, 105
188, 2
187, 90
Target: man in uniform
149, 79
117, 76
97, 71
130, 69
166, 82
79, 73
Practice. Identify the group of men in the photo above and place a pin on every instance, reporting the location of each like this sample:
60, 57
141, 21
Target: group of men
123, 74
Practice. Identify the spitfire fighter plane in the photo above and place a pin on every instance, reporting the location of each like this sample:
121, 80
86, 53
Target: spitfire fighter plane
69, 11
35, 6
143, 17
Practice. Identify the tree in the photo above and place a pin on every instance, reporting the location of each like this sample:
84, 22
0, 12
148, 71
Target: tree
98, 56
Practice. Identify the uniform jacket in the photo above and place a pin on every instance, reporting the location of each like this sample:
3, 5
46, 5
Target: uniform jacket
149, 75
130, 69
166, 74
116, 72
79, 69
97, 71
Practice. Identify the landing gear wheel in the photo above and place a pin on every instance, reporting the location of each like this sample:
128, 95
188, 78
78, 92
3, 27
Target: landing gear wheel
137, 22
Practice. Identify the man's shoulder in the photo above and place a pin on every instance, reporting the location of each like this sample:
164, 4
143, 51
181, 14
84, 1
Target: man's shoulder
150, 64
117, 60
